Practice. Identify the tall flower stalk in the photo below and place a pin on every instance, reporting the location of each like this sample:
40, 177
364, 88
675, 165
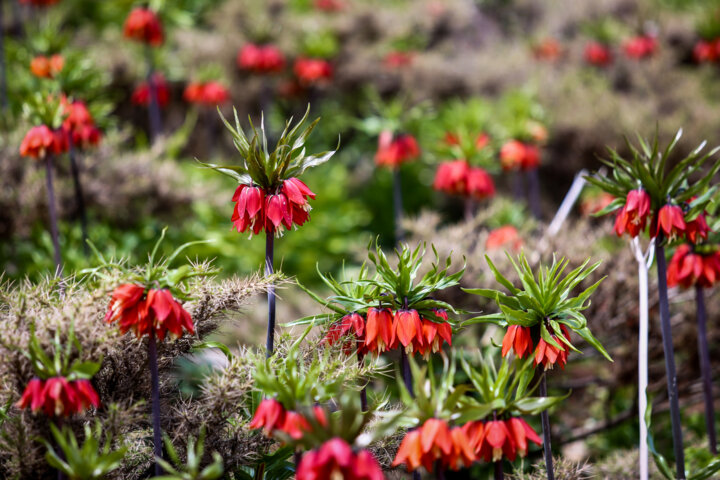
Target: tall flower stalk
270, 197
667, 205
540, 316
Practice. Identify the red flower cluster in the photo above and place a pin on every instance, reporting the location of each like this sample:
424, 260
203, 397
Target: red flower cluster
598, 54
334, 460
57, 396
80, 125
272, 416
548, 49
671, 221
707, 50
144, 313
351, 330
41, 140
392, 152
386, 331
208, 93
688, 268
458, 178
641, 46
256, 210
260, 58
493, 439
329, 5
311, 71
435, 441
632, 218
47, 67
504, 237
515, 155
398, 59
549, 355
143, 25
141, 95
40, 3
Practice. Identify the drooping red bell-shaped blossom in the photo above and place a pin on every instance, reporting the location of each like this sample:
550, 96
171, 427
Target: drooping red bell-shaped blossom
296, 425
350, 329
408, 328
640, 47
39, 3
335, 459
548, 355
207, 93
141, 94
57, 396
41, 141
435, 441
80, 126
380, 333
47, 67
269, 415
143, 25
146, 311
598, 54
688, 268
433, 335
480, 184
262, 59
517, 338
312, 71
392, 152
671, 221
329, 5
451, 177
494, 439
505, 237
516, 155
706, 51
633, 216
697, 228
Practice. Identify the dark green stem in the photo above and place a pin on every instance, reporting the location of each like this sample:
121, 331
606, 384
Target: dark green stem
53, 214
79, 198
269, 270
705, 368
545, 421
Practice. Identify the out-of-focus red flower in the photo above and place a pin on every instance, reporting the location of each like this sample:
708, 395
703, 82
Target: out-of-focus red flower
670, 221
482, 140
516, 155
496, 442
269, 415
688, 268
392, 152
494, 439
697, 228
398, 59
548, 49
41, 140
379, 330
311, 71
256, 210
208, 93
143, 25
506, 236
57, 396
141, 95
480, 184
351, 330
47, 67
549, 355
261, 58
154, 311
633, 216
329, 5
435, 441
451, 177
80, 126
706, 51
518, 339
598, 54
641, 46
335, 459
593, 204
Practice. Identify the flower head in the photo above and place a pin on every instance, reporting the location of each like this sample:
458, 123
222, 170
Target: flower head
687, 268
433, 335
262, 59
435, 441
269, 415
208, 93
451, 177
335, 459
516, 155
598, 54
670, 221
41, 141
148, 311
518, 339
141, 94
633, 217
641, 46
493, 439
58, 396
548, 354
143, 25
506, 236
47, 67
380, 332
312, 71
351, 330
392, 152
697, 229
705, 51
40, 3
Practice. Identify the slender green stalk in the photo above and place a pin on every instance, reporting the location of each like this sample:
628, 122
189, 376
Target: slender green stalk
269, 270
705, 368
545, 420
